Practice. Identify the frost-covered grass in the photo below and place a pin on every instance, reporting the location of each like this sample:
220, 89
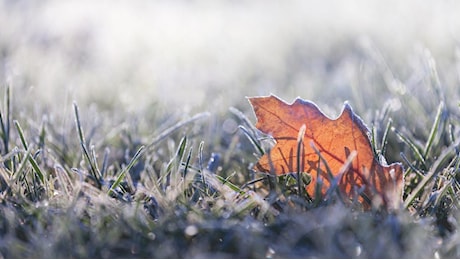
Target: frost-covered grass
115, 144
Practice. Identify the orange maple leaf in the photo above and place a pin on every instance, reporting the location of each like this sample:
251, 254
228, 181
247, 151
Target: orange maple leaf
339, 147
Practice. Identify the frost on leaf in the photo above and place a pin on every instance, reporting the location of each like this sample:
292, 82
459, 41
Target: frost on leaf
338, 147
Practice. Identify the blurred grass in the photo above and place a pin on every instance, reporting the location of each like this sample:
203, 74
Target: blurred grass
154, 159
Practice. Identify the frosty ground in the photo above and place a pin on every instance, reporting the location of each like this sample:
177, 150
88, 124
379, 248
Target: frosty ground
126, 132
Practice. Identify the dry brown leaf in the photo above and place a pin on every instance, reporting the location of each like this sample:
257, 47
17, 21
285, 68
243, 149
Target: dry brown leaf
335, 141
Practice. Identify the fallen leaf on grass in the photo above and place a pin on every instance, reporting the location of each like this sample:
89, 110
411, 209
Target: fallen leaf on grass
336, 151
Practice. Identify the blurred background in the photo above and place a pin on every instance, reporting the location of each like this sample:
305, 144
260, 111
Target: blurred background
210, 55
136, 68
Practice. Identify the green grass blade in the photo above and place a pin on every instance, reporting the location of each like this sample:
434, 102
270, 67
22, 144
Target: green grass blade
177, 159
21, 135
452, 138
253, 140
411, 166
4, 134
81, 136
93, 168
122, 174
105, 162
434, 130
412, 146
253, 181
187, 162
200, 163
5, 122
94, 161
175, 127
186, 167
374, 141
36, 168
31, 159
22, 164
383, 144
426, 178
181, 150
232, 186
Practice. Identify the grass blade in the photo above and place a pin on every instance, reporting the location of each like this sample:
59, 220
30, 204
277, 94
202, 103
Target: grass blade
300, 154
374, 140
175, 127
105, 162
412, 146
383, 144
181, 151
428, 177
36, 168
232, 186
253, 140
5, 122
31, 159
93, 168
21, 135
122, 174
434, 130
